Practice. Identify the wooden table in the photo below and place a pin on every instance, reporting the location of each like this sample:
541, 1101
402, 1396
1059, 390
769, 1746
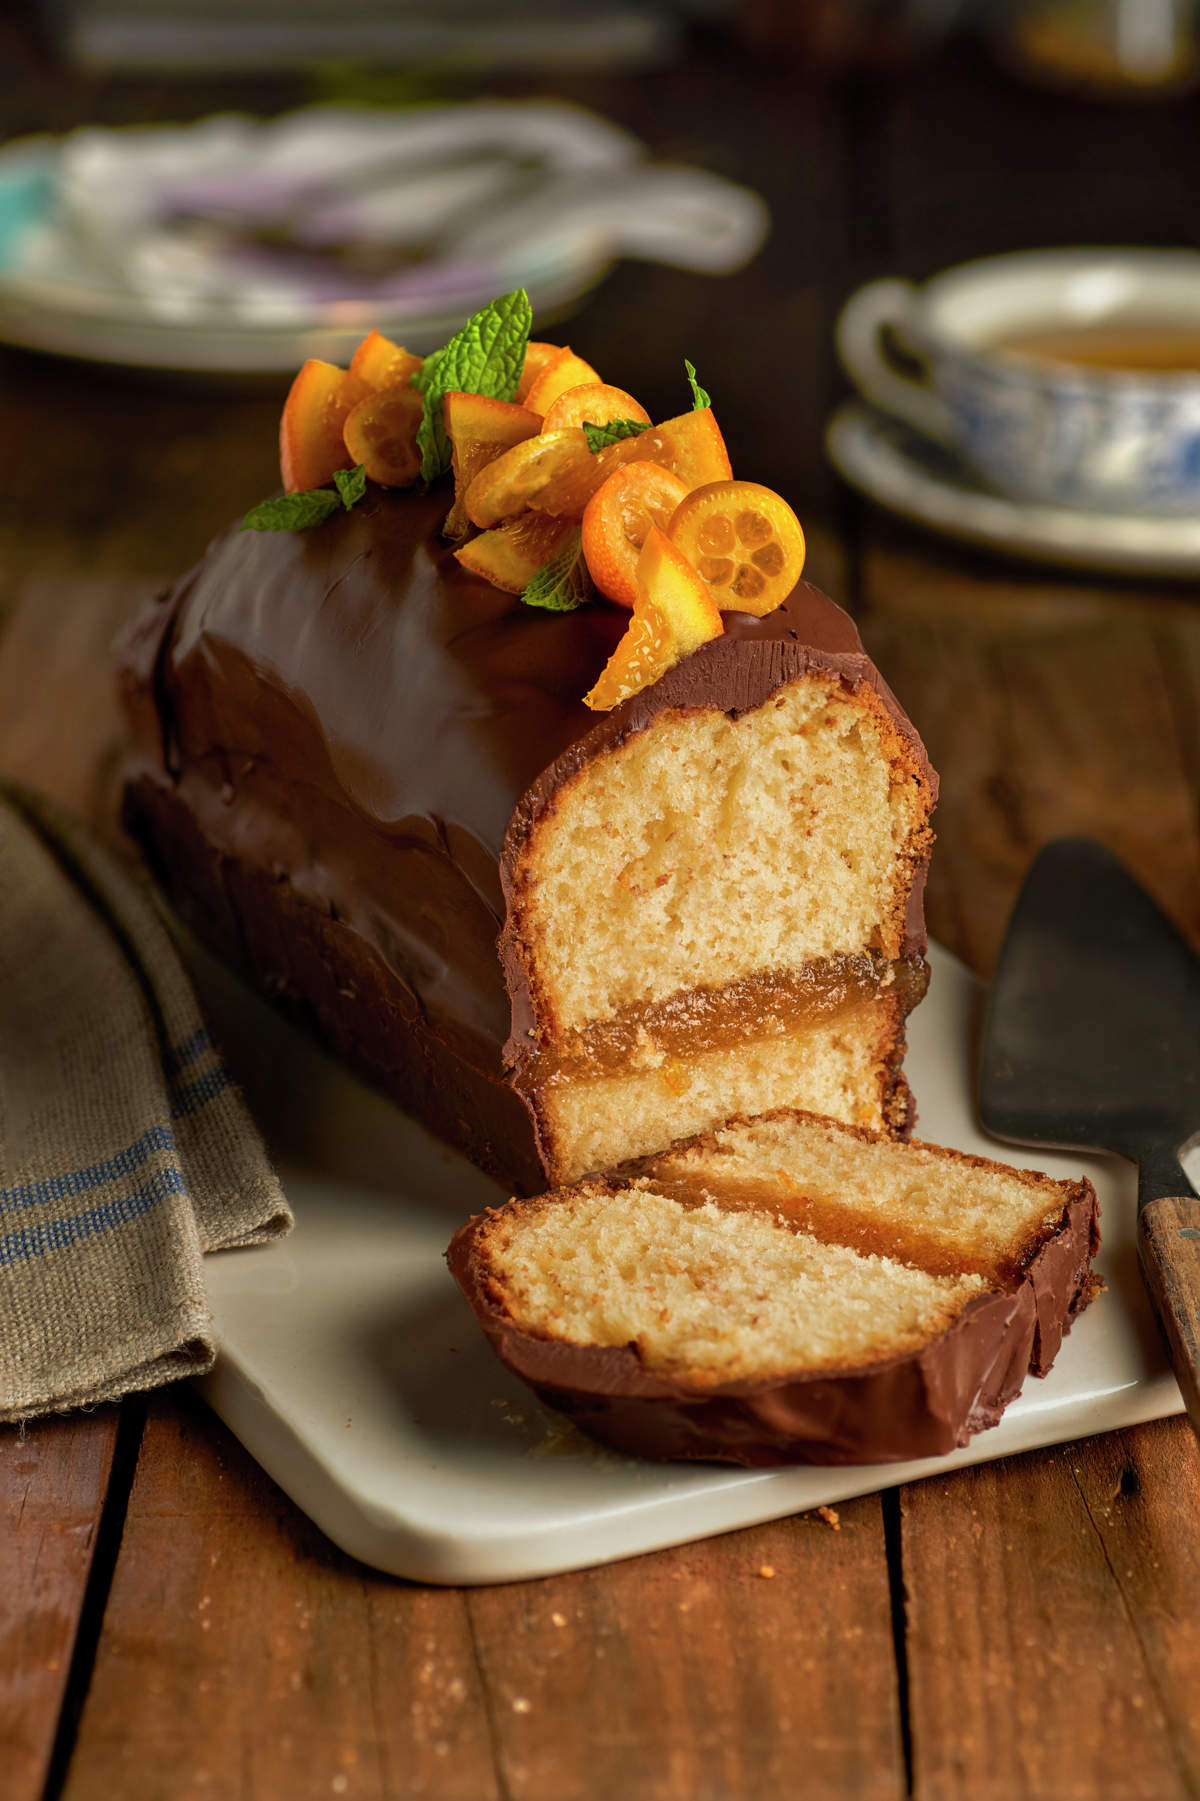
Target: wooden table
170, 1625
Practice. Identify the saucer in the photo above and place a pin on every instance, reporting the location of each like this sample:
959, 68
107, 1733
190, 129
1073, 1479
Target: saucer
920, 480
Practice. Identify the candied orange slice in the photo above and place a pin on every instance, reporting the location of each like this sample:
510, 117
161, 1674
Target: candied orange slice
744, 540
505, 487
510, 555
558, 373
381, 434
593, 403
536, 357
617, 521
310, 432
690, 446
673, 615
378, 363
479, 430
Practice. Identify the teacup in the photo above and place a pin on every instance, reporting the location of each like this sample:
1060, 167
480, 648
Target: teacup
1062, 376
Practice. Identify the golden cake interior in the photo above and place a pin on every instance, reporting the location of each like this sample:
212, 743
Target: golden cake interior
785, 1244
712, 915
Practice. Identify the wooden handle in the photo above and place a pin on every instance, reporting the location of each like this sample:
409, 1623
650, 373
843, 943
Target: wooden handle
1169, 1247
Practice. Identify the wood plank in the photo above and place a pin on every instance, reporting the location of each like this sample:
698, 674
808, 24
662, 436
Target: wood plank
692, 1675
53, 1479
1072, 1599
242, 1654
240, 1648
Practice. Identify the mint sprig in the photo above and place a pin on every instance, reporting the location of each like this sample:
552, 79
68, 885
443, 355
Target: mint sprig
599, 437
485, 357
311, 506
351, 485
562, 583
699, 397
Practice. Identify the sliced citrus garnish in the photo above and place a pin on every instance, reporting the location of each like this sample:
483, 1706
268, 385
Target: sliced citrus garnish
310, 432
378, 363
510, 555
505, 487
536, 357
593, 403
381, 434
744, 540
558, 373
480, 430
690, 446
617, 521
673, 615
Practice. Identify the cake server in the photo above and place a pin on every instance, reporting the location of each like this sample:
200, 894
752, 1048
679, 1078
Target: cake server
1092, 1039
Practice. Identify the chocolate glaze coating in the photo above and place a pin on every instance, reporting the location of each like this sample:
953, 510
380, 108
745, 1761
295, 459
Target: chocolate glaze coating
340, 739
924, 1404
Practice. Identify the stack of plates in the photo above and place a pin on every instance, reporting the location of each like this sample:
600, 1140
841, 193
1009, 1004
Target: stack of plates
240, 246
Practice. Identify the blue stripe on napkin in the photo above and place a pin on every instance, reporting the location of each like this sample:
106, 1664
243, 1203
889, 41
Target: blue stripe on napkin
79, 1181
56, 1234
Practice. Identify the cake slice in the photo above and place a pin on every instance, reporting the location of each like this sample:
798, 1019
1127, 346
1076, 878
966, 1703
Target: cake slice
785, 1290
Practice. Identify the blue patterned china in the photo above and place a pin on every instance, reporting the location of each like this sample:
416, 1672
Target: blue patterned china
1062, 376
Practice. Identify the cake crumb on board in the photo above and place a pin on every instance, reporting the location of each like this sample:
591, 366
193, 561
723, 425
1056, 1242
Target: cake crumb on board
830, 1517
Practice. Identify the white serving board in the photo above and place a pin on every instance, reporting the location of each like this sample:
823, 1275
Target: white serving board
353, 1371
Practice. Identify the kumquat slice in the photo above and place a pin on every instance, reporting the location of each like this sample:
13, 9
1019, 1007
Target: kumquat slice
508, 485
379, 363
536, 357
480, 430
509, 556
311, 448
673, 614
558, 373
744, 540
381, 434
690, 446
593, 403
617, 521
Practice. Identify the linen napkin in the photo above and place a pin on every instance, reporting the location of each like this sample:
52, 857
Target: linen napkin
125, 1150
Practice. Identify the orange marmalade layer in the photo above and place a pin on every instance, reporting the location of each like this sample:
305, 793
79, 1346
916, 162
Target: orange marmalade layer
697, 1020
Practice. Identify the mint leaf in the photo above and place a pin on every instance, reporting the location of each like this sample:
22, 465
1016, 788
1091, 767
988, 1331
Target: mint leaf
485, 357
351, 484
699, 397
292, 512
311, 506
599, 437
561, 584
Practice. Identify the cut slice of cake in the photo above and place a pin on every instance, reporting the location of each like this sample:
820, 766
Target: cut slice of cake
715, 915
785, 1290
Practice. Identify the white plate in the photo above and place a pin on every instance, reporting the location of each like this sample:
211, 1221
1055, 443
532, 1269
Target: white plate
902, 470
353, 1371
221, 247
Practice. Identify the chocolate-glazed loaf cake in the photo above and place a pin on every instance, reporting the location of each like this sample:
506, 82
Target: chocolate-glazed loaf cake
562, 939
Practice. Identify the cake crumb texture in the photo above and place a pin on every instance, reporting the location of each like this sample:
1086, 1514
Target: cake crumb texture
704, 1294
775, 1247
709, 848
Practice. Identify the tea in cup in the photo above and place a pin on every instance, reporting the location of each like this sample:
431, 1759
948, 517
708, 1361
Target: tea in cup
1063, 376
